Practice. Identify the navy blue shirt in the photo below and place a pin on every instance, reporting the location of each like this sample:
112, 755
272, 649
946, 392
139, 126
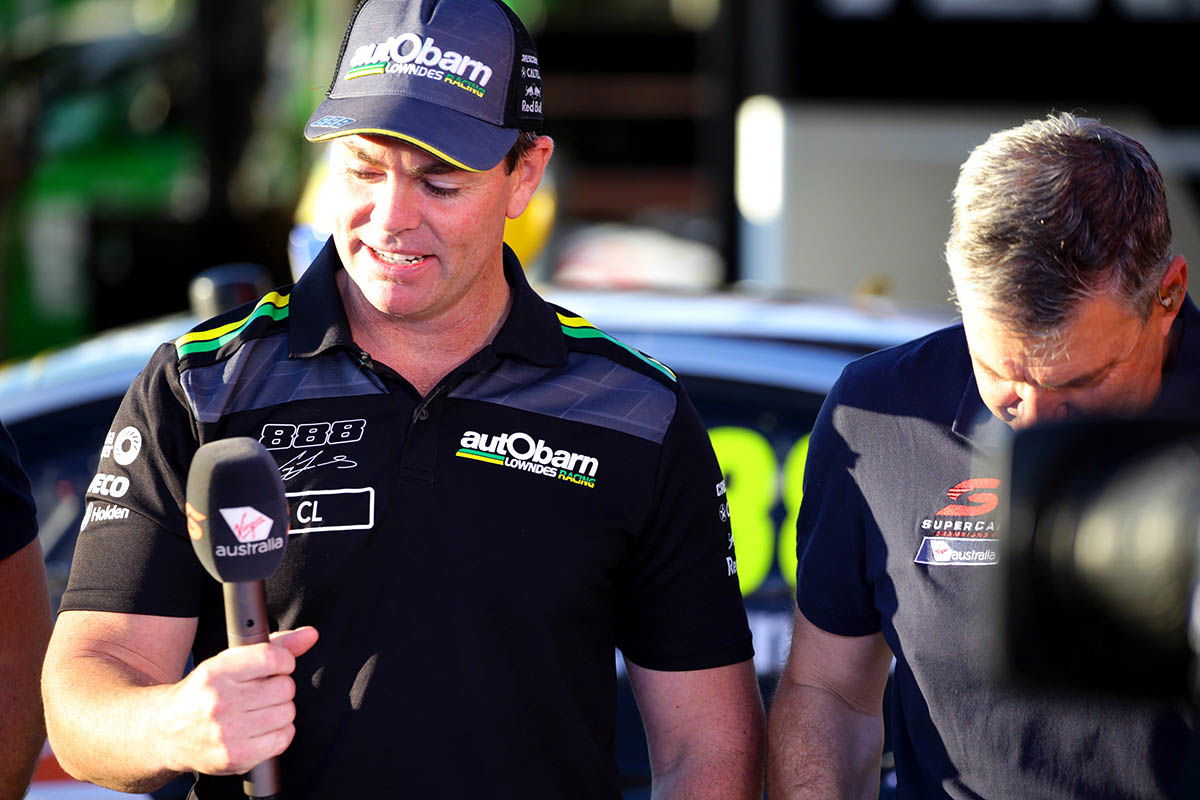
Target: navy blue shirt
471, 557
16, 500
897, 532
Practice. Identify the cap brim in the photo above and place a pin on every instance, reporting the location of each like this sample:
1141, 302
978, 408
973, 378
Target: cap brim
462, 140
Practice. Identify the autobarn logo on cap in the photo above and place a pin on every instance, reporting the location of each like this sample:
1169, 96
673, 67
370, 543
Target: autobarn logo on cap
421, 57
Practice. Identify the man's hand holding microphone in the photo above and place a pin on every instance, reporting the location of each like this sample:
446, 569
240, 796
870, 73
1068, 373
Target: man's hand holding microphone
234, 713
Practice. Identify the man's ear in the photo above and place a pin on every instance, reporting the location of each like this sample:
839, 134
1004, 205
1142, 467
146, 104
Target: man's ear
1171, 291
528, 175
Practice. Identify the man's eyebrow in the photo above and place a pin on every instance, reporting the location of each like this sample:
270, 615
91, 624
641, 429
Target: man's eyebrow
364, 156
1075, 383
988, 369
434, 168
1082, 380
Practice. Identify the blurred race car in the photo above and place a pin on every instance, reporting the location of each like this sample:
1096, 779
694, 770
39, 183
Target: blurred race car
757, 369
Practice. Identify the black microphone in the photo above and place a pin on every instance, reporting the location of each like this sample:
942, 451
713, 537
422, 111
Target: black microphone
237, 519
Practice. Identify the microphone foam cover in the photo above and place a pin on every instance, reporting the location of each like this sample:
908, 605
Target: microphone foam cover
236, 509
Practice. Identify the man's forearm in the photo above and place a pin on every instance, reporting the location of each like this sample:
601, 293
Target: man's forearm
24, 630
24, 733
102, 722
721, 775
820, 747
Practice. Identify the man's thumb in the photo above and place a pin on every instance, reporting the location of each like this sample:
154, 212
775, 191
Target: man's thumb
297, 642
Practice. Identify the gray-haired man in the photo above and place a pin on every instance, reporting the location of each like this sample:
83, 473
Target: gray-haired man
1072, 303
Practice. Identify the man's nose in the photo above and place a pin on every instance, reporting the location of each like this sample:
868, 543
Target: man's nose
1035, 406
395, 207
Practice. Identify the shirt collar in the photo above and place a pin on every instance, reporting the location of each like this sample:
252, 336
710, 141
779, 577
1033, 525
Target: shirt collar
1181, 378
319, 322
1180, 385
531, 330
974, 421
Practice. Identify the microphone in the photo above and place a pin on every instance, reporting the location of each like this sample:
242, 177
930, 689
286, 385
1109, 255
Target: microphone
237, 519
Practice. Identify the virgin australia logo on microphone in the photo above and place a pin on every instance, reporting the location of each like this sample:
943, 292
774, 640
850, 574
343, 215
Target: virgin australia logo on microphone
251, 527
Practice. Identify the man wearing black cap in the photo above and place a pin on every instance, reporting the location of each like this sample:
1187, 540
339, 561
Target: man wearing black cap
487, 493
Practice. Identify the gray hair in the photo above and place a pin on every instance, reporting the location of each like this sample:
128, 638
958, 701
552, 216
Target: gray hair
1055, 211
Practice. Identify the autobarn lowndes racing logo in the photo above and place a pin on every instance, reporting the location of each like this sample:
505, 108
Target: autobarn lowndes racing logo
311, 439
521, 451
962, 533
409, 54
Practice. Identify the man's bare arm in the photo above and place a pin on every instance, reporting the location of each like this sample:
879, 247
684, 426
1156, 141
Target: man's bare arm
705, 731
826, 726
119, 715
24, 631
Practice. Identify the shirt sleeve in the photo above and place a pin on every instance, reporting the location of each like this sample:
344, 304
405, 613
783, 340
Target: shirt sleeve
832, 589
680, 607
133, 554
16, 500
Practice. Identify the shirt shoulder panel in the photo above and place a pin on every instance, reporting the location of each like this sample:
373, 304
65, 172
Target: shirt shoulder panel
241, 361
582, 336
589, 388
923, 378
259, 373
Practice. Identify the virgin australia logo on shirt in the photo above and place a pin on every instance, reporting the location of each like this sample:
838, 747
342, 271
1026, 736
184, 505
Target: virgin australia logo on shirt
941, 551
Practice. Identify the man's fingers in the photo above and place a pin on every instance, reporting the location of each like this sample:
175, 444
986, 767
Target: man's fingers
250, 663
274, 742
278, 657
262, 735
297, 642
236, 709
269, 692
266, 721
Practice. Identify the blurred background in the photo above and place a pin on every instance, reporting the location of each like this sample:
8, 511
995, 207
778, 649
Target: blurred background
777, 171
786, 145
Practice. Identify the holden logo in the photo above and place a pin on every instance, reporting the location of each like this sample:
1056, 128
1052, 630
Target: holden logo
248, 524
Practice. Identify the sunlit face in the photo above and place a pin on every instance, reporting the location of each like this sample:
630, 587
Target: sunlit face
1105, 360
419, 237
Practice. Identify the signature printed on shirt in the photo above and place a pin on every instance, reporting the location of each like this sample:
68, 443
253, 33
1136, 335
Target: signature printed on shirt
302, 462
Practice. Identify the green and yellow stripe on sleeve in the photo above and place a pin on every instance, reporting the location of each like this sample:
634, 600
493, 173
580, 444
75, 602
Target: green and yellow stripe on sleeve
273, 306
580, 328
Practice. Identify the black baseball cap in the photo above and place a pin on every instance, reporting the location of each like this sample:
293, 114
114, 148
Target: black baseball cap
458, 78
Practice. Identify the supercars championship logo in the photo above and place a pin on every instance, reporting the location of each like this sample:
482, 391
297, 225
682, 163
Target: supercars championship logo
961, 533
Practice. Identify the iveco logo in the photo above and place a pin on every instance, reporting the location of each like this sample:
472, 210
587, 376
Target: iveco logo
109, 485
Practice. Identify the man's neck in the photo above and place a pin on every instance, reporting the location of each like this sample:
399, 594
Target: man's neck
423, 351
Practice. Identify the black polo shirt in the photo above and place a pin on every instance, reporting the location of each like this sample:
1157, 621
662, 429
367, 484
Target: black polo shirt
470, 558
900, 522
16, 500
